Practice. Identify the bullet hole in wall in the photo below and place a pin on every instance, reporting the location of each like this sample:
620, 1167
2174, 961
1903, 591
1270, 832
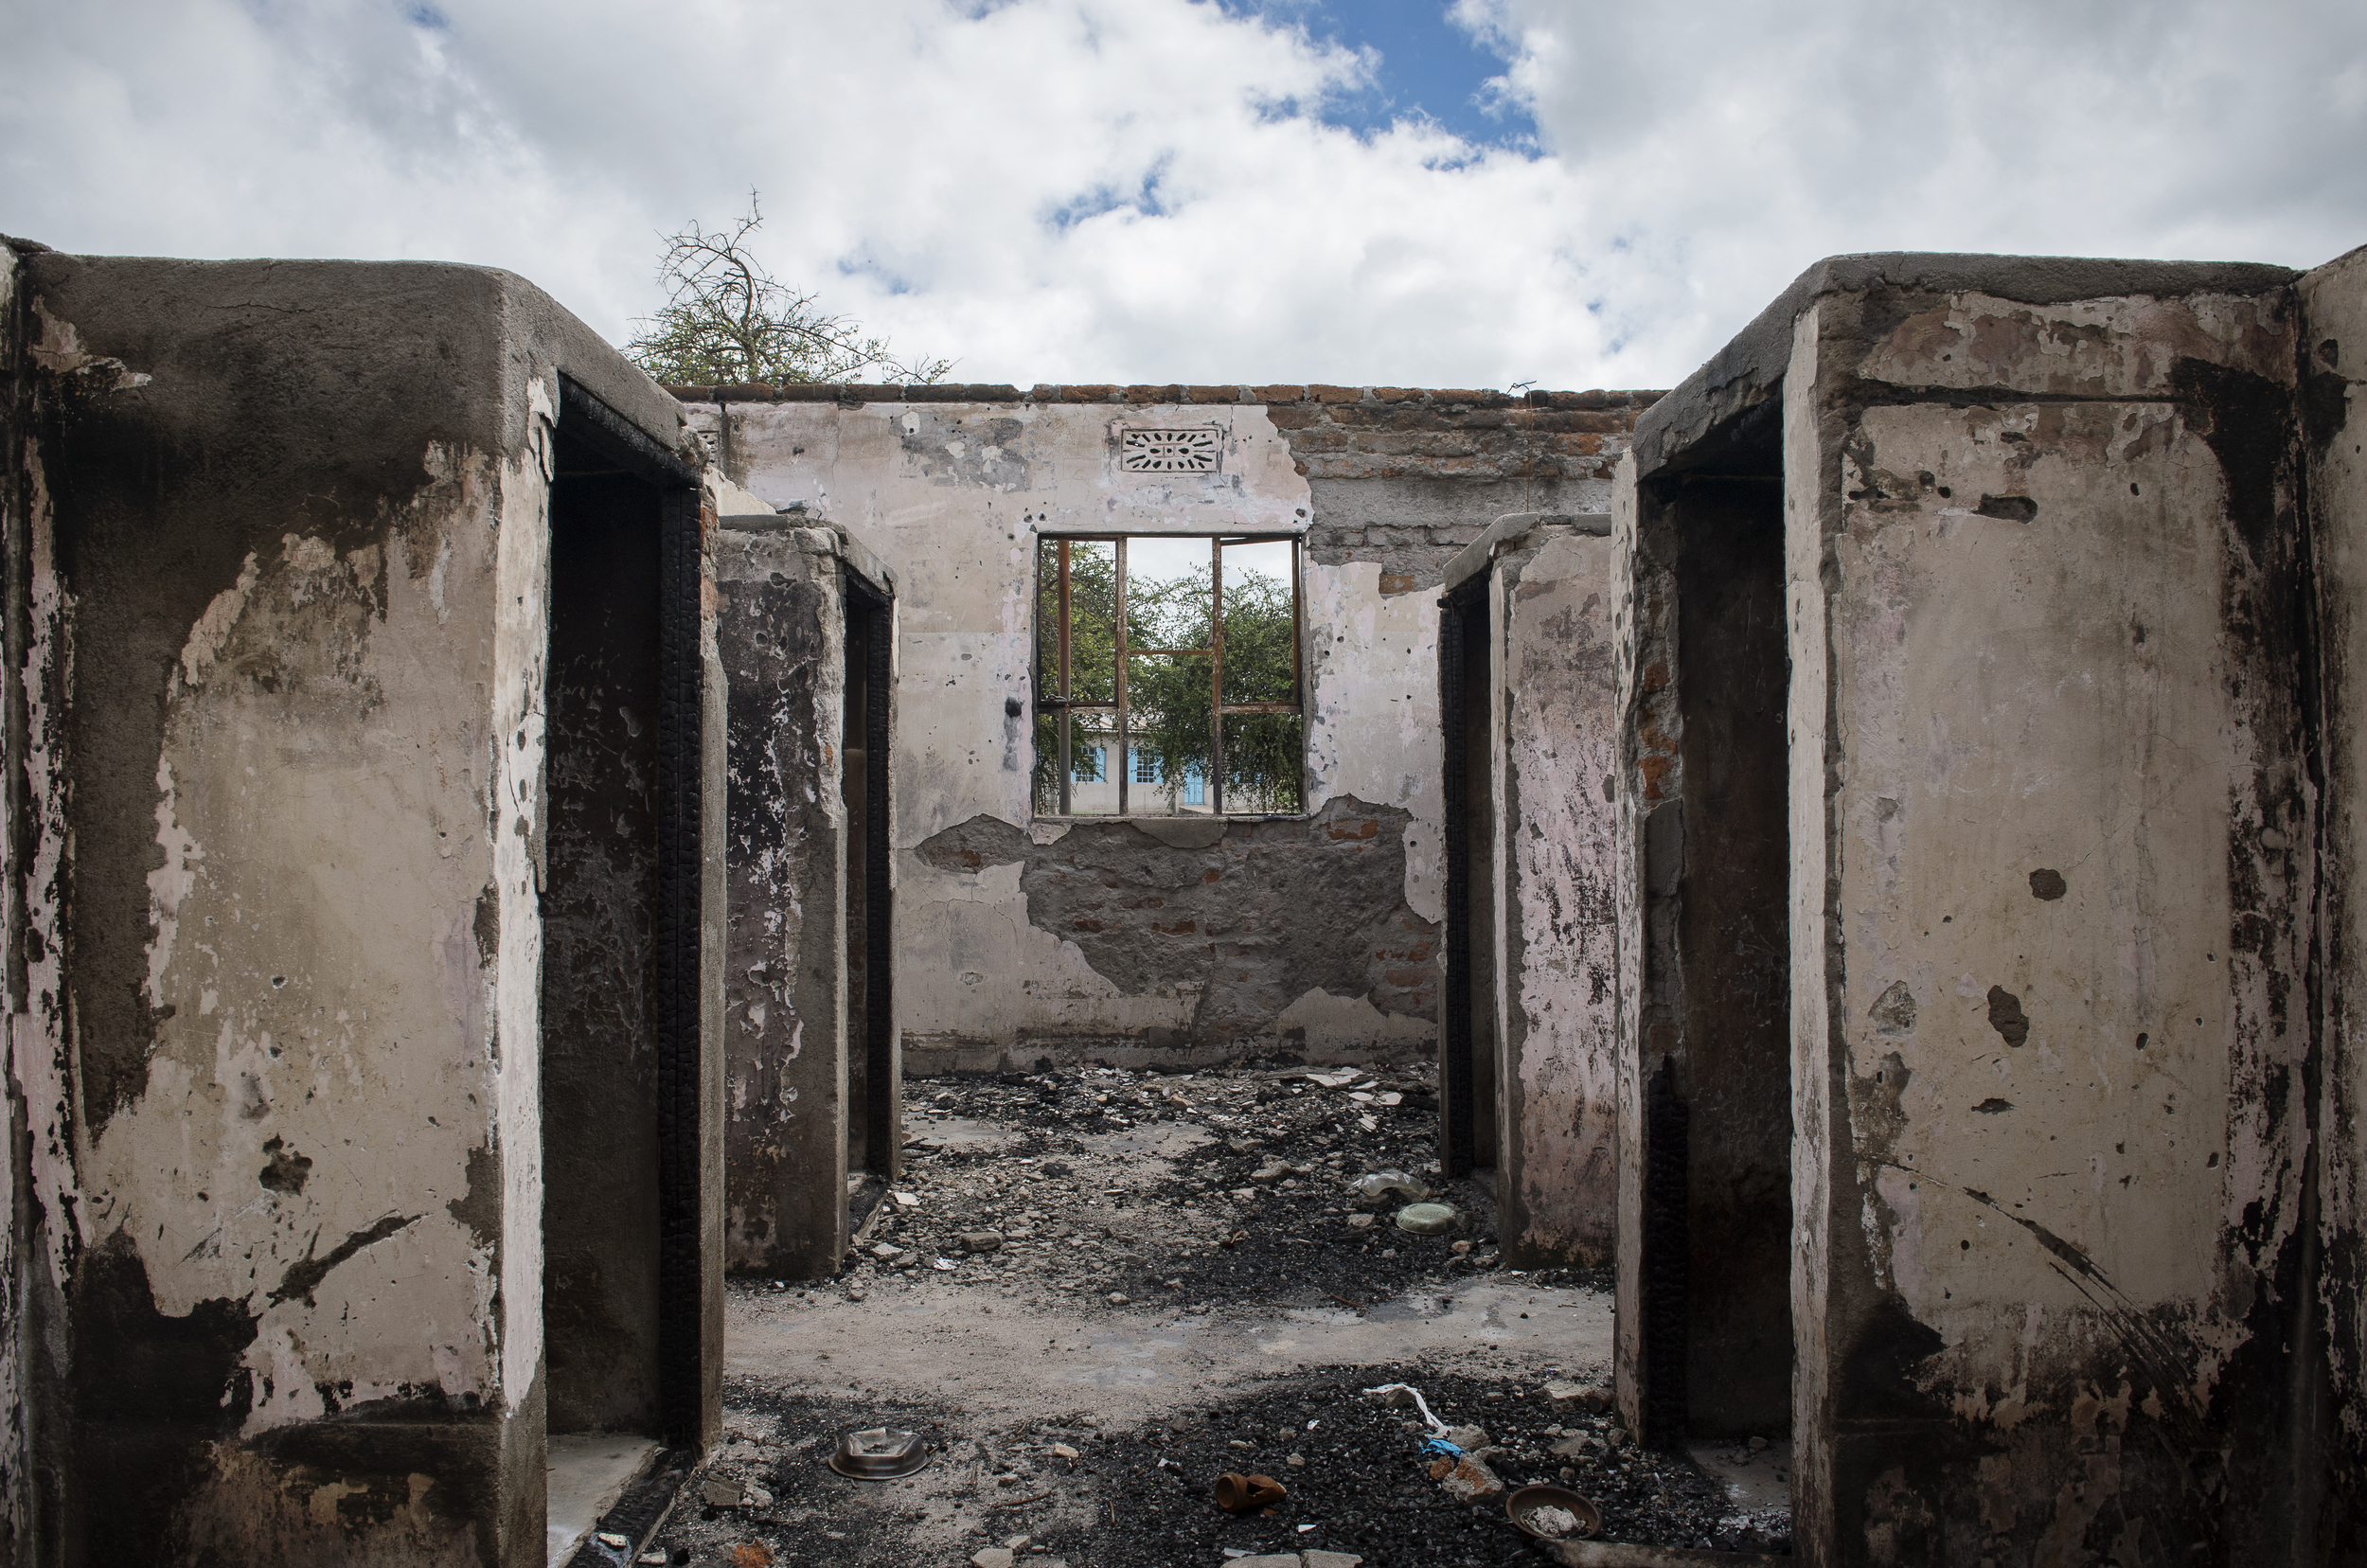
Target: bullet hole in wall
2047, 884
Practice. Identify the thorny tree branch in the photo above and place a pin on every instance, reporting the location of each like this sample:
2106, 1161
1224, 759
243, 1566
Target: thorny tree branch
726, 319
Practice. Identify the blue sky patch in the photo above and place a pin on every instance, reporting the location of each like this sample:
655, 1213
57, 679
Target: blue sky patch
1429, 65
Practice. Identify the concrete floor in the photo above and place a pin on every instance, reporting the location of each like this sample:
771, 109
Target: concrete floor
1027, 1358
588, 1472
1151, 1288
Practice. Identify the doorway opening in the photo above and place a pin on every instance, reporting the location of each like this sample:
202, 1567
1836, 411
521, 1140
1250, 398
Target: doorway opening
1469, 1079
874, 1080
620, 1040
1715, 1098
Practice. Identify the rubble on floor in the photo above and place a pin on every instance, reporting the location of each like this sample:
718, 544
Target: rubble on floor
1178, 1205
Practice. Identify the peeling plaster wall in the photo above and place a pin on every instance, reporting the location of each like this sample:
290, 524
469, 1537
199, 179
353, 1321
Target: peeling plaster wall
781, 634
2049, 641
288, 576
1554, 727
19, 1244
955, 490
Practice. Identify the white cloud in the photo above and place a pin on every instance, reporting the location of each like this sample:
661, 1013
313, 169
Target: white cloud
1139, 190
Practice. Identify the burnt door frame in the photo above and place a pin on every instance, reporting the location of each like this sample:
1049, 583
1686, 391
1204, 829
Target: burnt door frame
1463, 605
682, 1373
870, 860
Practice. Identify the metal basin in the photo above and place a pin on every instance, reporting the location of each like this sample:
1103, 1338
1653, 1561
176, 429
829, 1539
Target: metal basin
879, 1454
1523, 1505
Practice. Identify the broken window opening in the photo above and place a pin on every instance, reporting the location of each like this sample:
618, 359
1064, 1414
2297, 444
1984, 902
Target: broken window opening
1168, 676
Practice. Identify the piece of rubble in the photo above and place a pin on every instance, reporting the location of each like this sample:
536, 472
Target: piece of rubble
1117, 1299
1378, 1185
1360, 1222
905, 1200
723, 1493
1470, 1439
885, 1251
1332, 1559
1576, 1447
1568, 1396
1061, 1451
993, 1557
1264, 1559
1296, 1461
980, 1242
1466, 1479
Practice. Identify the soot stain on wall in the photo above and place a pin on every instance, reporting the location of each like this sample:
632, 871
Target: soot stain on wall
1267, 911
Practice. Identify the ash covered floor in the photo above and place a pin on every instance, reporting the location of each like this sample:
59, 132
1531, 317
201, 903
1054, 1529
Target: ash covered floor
1166, 1278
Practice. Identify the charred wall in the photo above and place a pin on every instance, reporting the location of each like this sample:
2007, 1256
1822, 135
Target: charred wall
2333, 429
781, 633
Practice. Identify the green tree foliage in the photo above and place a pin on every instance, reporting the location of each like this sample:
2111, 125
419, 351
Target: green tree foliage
1168, 697
726, 319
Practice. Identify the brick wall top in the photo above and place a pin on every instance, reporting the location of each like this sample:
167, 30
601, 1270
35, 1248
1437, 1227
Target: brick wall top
1407, 398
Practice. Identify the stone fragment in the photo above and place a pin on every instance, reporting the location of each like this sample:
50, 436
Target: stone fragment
1116, 1299
885, 1250
1332, 1559
1460, 1248
1466, 1479
1758, 1445
1296, 1461
1061, 1451
1574, 1397
1264, 1559
721, 1494
1469, 1438
905, 1200
1574, 1447
993, 1557
981, 1242
1360, 1222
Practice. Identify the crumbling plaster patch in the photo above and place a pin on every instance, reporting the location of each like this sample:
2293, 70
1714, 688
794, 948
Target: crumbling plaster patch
275, 999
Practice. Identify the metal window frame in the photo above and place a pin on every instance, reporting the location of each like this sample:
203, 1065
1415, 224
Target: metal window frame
1060, 704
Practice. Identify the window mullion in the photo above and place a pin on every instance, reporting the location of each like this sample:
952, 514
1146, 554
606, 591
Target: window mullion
1067, 693
1124, 771
1216, 677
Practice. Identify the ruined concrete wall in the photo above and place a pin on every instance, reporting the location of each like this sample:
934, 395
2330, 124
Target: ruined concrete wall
283, 676
1557, 1005
2057, 887
956, 484
1546, 719
2332, 344
781, 635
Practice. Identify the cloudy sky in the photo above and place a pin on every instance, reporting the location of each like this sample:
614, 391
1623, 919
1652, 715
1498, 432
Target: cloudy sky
1423, 192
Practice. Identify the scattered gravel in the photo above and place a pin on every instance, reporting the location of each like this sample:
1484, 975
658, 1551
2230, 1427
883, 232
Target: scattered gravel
1109, 1196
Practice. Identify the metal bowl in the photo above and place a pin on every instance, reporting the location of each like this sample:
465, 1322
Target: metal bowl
1527, 1500
879, 1454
